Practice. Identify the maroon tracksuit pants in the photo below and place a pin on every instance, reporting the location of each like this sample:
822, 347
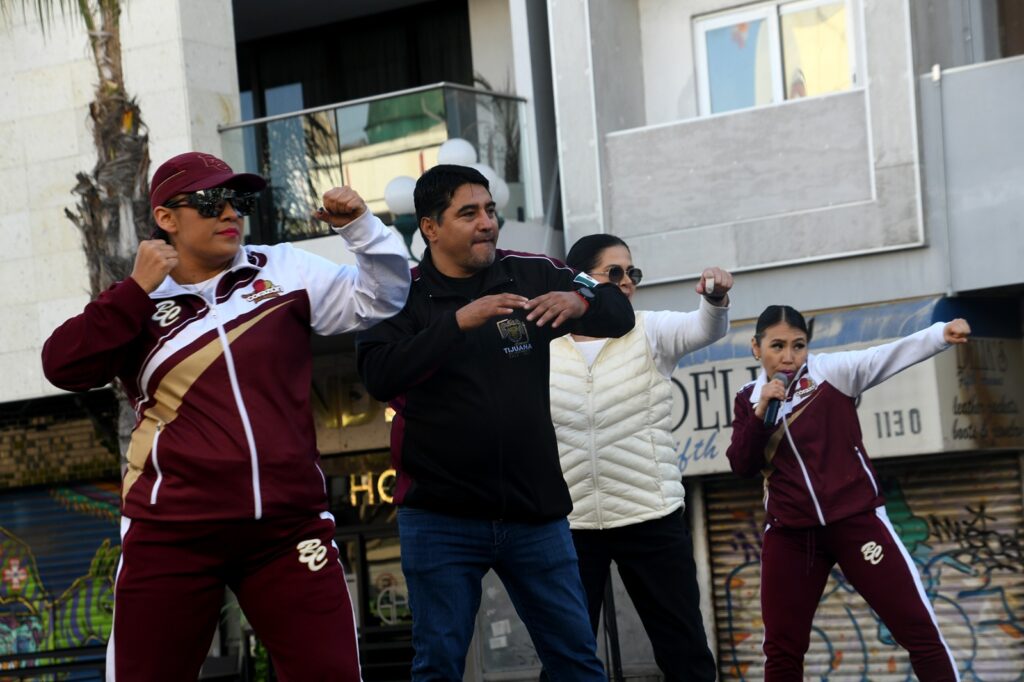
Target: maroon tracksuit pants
285, 572
795, 565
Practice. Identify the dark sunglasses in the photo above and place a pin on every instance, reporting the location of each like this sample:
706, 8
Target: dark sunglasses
210, 202
616, 272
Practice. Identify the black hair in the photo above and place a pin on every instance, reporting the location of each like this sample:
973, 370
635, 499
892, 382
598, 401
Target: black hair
435, 188
774, 314
585, 253
159, 233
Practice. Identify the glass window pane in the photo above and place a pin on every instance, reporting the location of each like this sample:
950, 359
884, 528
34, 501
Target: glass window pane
491, 124
283, 99
739, 66
301, 165
387, 594
387, 138
815, 51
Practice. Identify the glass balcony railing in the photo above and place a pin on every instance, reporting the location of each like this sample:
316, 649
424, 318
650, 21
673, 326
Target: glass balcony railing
366, 143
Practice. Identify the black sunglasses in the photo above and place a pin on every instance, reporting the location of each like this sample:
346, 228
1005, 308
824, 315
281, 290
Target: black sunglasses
210, 202
615, 273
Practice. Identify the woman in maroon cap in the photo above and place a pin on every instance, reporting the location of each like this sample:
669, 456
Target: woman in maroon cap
210, 340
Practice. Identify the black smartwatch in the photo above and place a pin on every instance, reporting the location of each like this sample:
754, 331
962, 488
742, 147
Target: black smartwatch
587, 294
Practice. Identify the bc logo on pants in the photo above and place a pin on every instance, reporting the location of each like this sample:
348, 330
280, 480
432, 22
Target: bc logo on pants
872, 552
313, 554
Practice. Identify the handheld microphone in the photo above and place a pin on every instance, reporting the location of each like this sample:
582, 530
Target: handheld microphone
772, 411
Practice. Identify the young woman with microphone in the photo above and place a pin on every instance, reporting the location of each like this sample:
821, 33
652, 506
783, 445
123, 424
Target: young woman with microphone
823, 504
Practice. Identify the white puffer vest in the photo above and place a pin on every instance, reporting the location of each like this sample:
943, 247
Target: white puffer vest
612, 420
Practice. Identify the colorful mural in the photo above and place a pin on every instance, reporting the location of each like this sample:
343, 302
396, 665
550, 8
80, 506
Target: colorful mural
971, 562
58, 554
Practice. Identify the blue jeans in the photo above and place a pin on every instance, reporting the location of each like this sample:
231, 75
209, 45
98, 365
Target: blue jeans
444, 558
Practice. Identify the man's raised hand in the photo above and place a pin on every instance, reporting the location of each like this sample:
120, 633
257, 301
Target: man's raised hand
475, 314
559, 306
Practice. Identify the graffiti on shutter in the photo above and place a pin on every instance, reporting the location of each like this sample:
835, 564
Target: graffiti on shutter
59, 548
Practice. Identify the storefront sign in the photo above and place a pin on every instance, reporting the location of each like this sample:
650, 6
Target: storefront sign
981, 389
966, 398
369, 488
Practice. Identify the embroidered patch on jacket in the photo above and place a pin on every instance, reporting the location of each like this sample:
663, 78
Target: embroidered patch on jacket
167, 313
517, 340
804, 386
586, 280
263, 289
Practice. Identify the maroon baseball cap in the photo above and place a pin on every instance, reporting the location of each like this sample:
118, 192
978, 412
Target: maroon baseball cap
194, 171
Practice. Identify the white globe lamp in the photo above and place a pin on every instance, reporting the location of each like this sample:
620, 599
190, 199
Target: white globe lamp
456, 151
500, 193
489, 173
398, 195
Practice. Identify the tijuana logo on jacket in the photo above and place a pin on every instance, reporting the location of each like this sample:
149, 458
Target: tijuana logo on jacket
514, 333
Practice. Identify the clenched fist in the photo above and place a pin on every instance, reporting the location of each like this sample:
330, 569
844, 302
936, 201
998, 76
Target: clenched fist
956, 331
715, 283
153, 262
772, 390
341, 206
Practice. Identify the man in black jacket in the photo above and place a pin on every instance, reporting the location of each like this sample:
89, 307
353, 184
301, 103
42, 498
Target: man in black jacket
465, 366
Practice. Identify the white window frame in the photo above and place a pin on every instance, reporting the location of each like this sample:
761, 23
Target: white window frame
771, 13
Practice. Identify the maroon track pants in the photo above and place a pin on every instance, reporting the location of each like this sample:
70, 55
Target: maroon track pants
285, 572
795, 565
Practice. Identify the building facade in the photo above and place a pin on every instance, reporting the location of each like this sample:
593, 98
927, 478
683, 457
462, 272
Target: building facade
855, 159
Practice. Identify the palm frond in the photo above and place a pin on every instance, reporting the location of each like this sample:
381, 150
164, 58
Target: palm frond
46, 10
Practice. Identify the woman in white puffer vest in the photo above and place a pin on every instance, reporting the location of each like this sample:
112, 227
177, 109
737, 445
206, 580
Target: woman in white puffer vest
611, 403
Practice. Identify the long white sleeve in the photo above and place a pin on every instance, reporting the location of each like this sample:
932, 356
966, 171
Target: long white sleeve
343, 298
672, 334
855, 371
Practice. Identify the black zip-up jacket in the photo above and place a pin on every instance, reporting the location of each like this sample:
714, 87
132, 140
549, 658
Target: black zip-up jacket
472, 435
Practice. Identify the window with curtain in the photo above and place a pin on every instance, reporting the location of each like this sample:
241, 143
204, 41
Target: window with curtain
769, 53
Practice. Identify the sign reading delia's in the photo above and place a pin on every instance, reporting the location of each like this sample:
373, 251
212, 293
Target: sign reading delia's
967, 398
981, 386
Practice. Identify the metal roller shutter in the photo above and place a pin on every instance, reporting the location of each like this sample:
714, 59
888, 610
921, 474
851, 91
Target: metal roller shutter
961, 520
59, 549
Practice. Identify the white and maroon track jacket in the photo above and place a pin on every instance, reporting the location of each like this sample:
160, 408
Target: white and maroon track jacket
828, 477
219, 373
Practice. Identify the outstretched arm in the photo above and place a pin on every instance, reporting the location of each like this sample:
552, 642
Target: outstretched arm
674, 334
343, 298
854, 372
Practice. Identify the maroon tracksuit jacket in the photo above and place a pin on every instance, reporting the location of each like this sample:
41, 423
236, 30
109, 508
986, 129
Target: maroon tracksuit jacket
823, 507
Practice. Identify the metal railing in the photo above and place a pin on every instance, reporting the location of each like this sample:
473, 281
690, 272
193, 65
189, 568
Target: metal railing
367, 142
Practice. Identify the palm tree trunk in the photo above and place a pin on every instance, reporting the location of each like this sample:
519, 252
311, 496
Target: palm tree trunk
112, 211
